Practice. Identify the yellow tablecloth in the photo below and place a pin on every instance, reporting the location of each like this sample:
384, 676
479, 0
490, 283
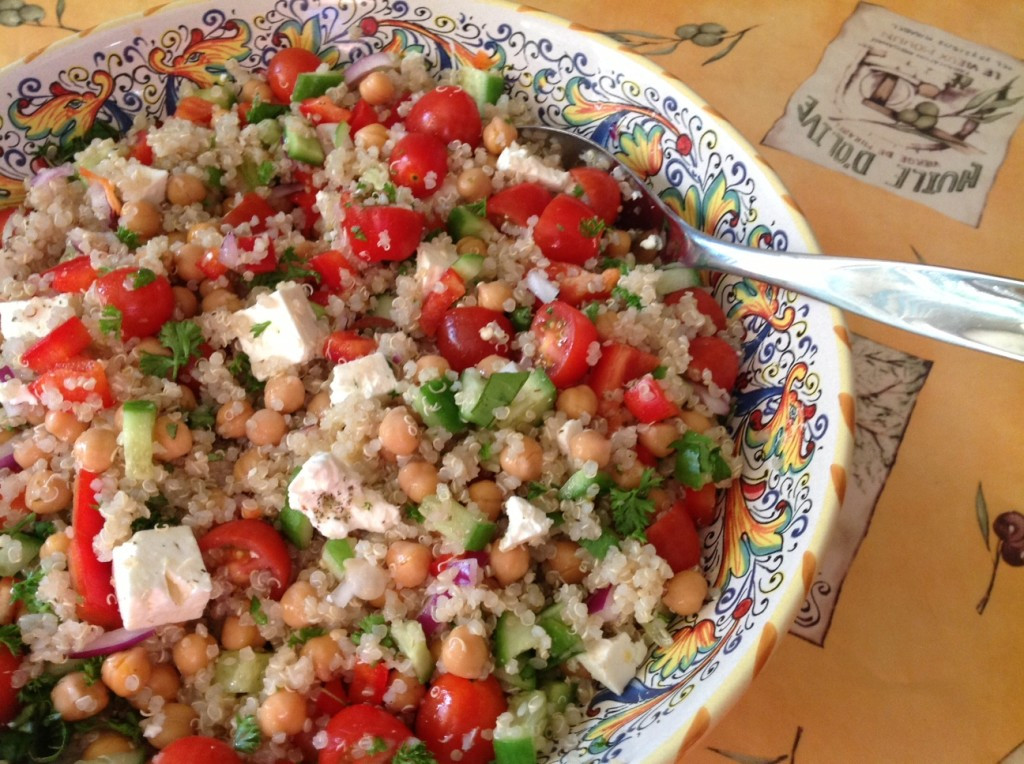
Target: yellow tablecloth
909, 670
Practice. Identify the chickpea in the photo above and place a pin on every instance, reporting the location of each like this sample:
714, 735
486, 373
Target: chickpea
164, 681
492, 364
256, 89
662, 499
629, 477
284, 711
399, 433
418, 480
47, 492
431, 367
376, 88
696, 421
499, 134
199, 231
574, 402
186, 262
605, 324
293, 604
566, 563
318, 404
523, 459
232, 417
509, 566
488, 497
473, 184
94, 449
185, 189
464, 653
371, 136
471, 245
246, 463
193, 653
186, 304
74, 698
591, 446
8, 608
126, 672
152, 346
617, 242
404, 693
234, 635
142, 217
284, 393
63, 425
178, 722
325, 655
658, 438
266, 428
56, 543
493, 295
221, 299
173, 438
187, 399
107, 744
27, 452
685, 592
409, 563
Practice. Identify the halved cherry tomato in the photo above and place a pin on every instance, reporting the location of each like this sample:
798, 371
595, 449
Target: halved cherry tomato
618, 365
195, 109
197, 749
354, 731
363, 114
700, 504
715, 355
146, 304
442, 296
459, 715
646, 400
72, 276
369, 683
675, 538
577, 286
64, 343
568, 231
252, 205
211, 265
383, 232
286, 66
459, 340
9, 704
266, 265
141, 151
419, 162
600, 192
334, 268
90, 577
330, 697
517, 204
226, 545
706, 304
645, 456
323, 110
564, 336
448, 113
5, 218
76, 380
342, 346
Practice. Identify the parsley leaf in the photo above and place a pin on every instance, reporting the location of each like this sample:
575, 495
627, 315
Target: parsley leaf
486, 451
599, 547
143, 277
247, 736
367, 625
660, 372
37, 733
110, 323
478, 208
241, 369
201, 418
592, 227
358, 233
265, 173
413, 753
377, 745
616, 262
413, 513
303, 635
578, 191
257, 329
160, 514
62, 153
91, 669
521, 318
27, 591
630, 298
290, 267
129, 238
390, 191
592, 310
536, 489
699, 461
10, 635
183, 339
632, 510
214, 177
256, 611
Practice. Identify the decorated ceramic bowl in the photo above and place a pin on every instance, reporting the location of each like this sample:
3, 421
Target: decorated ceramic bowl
792, 421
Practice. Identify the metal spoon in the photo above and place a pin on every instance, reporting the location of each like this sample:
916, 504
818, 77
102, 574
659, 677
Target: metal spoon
974, 310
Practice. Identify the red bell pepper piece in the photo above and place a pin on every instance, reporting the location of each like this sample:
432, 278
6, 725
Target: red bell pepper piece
195, 109
64, 343
334, 269
363, 114
323, 110
675, 538
72, 276
141, 150
618, 365
90, 577
76, 380
438, 300
252, 206
646, 400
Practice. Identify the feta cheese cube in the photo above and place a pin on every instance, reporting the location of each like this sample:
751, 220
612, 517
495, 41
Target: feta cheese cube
159, 578
526, 524
613, 662
142, 183
368, 376
518, 161
16, 398
286, 333
37, 317
335, 500
433, 258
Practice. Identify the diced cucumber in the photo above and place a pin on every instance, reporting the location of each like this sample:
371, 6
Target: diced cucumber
559, 694
334, 555
519, 734
461, 525
301, 143
514, 747
239, 676
261, 111
463, 221
484, 85
218, 94
383, 306
138, 756
599, 547
578, 485
343, 135
473, 384
16, 557
512, 638
469, 266
499, 390
412, 641
137, 432
526, 679
296, 527
269, 132
535, 398
565, 642
434, 401
314, 84
674, 278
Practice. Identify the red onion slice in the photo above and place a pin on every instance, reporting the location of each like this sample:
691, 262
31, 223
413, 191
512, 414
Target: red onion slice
717, 406
6, 373
229, 254
7, 461
51, 173
599, 600
426, 617
363, 66
113, 641
285, 189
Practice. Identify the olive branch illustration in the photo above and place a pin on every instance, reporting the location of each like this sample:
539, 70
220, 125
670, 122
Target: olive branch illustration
707, 35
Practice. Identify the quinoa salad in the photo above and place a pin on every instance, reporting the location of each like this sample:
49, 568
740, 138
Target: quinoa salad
341, 423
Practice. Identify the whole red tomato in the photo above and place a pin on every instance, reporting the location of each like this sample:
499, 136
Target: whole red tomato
286, 66
448, 113
459, 340
419, 162
455, 714
363, 734
195, 749
144, 299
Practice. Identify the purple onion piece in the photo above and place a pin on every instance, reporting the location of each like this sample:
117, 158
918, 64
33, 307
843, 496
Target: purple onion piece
285, 189
52, 173
229, 255
7, 461
363, 66
113, 641
599, 600
426, 617
6, 373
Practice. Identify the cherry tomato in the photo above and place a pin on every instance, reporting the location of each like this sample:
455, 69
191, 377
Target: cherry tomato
9, 705
64, 343
568, 230
706, 304
618, 365
438, 301
196, 749
267, 551
455, 713
369, 683
459, 340
286, 66
419, 162
330, 697
77, 381
145, 300
72, 276
363, 114
5, 218
195, 109
251, 206
383, 232
90, 577
335, 270
675, 538
700, 504
577, 286
343, 346
448, 113
323, 110
517, 204
600, 192
715, 355
354, 731
141, 151
646, 400
564, 337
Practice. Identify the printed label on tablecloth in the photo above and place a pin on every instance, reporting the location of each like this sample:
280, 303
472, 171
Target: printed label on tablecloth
908, 108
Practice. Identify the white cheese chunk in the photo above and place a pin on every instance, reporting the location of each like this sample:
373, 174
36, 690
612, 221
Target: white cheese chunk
529, 167
16, 398
368, 376
286, 331
335, 501
613, 662
159, 578
142, 183
363, 580
526, 524
433, 258
567, 432
37, 317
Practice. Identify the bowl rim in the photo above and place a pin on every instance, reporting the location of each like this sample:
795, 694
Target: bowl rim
739, 678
